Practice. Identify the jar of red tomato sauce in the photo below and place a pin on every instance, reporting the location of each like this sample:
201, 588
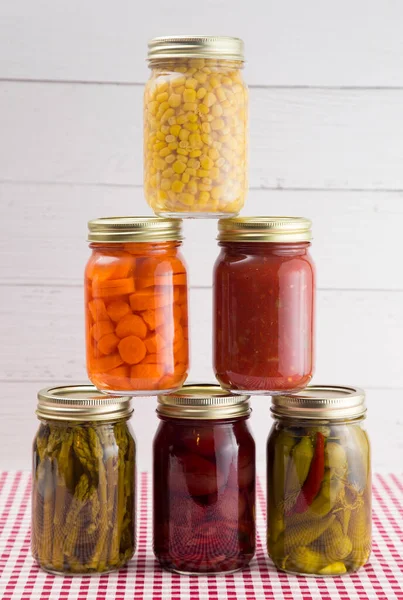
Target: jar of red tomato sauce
204, 481
136, 306
264, 288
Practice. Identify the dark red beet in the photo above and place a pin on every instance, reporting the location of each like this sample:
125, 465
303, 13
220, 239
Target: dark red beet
204, 495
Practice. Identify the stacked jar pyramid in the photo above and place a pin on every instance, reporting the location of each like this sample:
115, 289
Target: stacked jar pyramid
137, 342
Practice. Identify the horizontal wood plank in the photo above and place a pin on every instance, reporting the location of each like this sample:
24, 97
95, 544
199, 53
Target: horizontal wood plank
311, 139
18, 425
357, 335
42, 241
287, 42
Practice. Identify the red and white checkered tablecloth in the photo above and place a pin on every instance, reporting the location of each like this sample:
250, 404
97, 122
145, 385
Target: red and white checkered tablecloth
20, 577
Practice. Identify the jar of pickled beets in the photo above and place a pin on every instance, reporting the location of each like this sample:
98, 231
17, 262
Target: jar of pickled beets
136, 306
83, 481
204, 481
319, 482
196, 127
264, 288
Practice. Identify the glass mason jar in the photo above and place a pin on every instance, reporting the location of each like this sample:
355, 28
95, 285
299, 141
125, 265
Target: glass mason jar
263, 307
204, 481
83, 481
136, 306
196, 127
319, 482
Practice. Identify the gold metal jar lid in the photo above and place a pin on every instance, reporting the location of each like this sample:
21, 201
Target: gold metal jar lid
264, 229
134, 229
196, 46
203, 401
81, 403
328, 402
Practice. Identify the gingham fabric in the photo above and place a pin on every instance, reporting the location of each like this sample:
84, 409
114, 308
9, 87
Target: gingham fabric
21, 578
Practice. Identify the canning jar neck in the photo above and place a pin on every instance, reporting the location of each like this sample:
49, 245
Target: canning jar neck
140, 248
266, 248
202, 422
159, 66
288, 422
62, 424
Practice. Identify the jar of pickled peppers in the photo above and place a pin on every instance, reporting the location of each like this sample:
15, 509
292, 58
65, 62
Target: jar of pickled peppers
263, 305
204, 481
136, 306
83, 481
319, 482
196, 127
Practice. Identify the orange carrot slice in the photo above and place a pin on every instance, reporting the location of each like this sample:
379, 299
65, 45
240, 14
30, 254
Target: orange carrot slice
131, 325
117, 309
100, 329
117, 379
132, 349
113, 287
151, 359
149, 299
98, 311
108, 343
154, 343
105, 363
171, 279
182, 355
117, 265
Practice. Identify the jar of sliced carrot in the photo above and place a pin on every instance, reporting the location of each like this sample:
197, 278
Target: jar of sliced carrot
136, 306
196, 127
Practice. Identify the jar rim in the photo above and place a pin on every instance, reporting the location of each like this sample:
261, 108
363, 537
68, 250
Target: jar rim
196, 46
134, 229
205, 401
81, 402
318, 402
265, 229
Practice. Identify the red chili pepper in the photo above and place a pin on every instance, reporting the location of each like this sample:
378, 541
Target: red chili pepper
313, 482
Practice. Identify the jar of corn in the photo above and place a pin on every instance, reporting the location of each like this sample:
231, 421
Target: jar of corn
196, 127
83, 481
319, 482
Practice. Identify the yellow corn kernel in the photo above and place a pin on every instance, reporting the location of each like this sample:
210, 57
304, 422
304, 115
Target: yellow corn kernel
202, 173
191, 70
162, 97
184, 144
220, 94
173, 145
193, 118
195, 140
165, 129
190, 106
181, 157
159, 146
187, 199
172, 120
175, 130
170, 138
191, 84
192, 187
206, 127
217, 124
182, 152
191, 171
206, 181
226, 81
184, 134
163, 107
217, 192
200, 77
179, 167
204, 197
213, 153
191, 126
182, 119
203, 109
165, 184
159, 163
162, 195
185, 177
220, 162
214, 173
197, 63
189, 96
195, 153
170, 159
214, 81
152, 107
193, 163
203, 187
168, 172
164, 152
217, 110
206, 138
153, 181
168, 113
178, 81
177, 186
209, 99
160, 136
174, 100
201, 92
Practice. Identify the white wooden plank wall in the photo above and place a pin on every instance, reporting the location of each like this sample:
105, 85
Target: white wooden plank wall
326, 118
